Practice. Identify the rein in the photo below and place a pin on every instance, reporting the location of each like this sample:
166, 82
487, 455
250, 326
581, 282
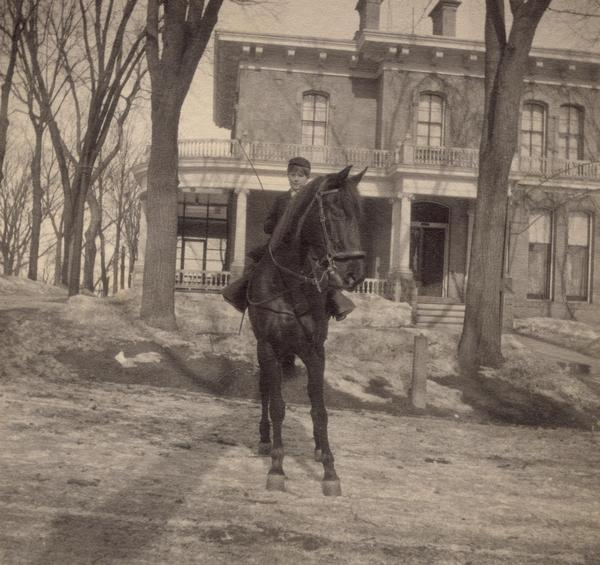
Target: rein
328, 260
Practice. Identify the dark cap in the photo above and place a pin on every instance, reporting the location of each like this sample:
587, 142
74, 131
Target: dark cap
299, 162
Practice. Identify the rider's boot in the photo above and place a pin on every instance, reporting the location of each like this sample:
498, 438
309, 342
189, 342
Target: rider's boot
235, 293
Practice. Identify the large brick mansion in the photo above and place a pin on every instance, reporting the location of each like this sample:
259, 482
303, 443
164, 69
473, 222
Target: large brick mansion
410, 108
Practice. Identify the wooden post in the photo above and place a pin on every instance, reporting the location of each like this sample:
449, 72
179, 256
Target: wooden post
418, 388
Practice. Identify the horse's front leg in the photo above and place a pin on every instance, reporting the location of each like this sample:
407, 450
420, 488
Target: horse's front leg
264, 447
314, 359
271, 372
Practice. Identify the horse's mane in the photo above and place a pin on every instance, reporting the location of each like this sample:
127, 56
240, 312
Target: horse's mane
295, 213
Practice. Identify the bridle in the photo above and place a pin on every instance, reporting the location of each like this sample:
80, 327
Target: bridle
328, 261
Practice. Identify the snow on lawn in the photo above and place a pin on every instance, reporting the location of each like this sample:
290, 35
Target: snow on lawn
369, 355
536, 375
24, 287
566, 333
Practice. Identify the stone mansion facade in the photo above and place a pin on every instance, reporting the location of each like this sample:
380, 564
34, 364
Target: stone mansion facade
409, 108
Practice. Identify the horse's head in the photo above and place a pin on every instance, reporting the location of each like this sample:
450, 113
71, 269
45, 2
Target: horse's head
329, 228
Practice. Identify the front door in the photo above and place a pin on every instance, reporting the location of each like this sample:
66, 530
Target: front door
428, 252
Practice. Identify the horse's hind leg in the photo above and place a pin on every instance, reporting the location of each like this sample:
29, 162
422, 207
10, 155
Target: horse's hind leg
315, 365
269, 367
264, 447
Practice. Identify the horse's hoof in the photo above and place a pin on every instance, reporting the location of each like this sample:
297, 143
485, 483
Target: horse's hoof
264, 448
332, 488
276, 482
318, 456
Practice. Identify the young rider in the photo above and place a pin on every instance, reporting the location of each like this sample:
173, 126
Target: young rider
298, 173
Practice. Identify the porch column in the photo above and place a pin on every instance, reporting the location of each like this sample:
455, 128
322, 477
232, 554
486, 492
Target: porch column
239, 246
138, 268
400, 272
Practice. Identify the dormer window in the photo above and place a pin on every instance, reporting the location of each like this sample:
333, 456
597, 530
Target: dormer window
430, 121
315, 109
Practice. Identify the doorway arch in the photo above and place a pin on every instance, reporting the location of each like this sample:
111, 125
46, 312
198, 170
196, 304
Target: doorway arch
429, 245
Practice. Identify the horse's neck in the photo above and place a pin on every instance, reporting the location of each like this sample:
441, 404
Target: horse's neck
287, 256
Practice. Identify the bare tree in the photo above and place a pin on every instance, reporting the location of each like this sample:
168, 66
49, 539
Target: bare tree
177, 36
123, 193
15, 220
100, 49
176, 40
11, 27
505, 65
131, 224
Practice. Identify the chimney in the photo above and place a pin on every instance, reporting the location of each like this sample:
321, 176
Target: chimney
444, 17
368, 10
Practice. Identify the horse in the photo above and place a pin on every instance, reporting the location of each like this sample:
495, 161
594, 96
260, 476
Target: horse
315, 247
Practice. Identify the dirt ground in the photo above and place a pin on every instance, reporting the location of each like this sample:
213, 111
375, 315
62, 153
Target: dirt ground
102, 464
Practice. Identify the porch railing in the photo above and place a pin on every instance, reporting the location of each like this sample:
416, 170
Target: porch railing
208, 281
406, 154
215, 281
373, 286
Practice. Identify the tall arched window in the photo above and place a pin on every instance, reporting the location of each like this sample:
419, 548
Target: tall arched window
315, 109
540, 231
577, 266
570, 133
533, 130
430, 120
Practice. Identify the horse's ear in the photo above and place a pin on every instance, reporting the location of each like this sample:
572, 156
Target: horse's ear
355, 179
340, 177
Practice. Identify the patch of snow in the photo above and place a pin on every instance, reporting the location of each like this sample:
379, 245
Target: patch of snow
567, 333
373, 311
131, 362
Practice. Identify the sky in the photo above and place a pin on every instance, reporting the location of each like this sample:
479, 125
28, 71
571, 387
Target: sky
337, 19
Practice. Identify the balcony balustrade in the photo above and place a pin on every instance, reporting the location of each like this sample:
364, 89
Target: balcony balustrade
407, 154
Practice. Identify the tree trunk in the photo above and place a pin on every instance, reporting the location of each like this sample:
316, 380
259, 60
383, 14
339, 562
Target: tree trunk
80, 190
67, 220
506, 63
90, 241
122, 282
158, 296
58, 262
17, 27
130, 268
103, 270
36, 204
115, 282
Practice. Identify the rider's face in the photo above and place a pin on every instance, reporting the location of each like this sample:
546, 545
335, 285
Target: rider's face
297, 179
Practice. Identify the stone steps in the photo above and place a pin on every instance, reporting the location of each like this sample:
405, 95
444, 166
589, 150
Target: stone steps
431, 314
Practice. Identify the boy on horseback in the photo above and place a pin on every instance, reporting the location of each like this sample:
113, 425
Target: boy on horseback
298, 172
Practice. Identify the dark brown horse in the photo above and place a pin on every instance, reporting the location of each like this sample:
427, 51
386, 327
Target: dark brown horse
315, 247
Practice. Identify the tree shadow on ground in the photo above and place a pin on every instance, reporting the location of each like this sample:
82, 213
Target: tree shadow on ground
159, 495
